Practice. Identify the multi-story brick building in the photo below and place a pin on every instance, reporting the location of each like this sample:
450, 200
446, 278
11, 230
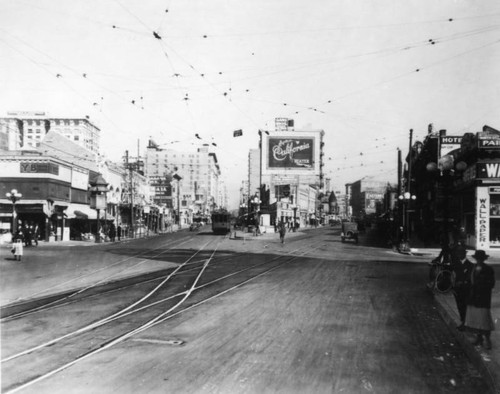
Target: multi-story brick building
199, 191
26, 130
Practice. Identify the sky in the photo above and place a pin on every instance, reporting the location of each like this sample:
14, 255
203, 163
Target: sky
188, 73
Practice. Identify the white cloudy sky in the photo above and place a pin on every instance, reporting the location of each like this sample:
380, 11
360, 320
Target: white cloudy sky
348, 67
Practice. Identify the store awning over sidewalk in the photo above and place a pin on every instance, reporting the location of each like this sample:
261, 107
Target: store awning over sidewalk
82, 211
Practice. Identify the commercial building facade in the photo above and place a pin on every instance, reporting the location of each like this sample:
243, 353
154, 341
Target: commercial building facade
289, 164
26, 130
199, 190
456, 180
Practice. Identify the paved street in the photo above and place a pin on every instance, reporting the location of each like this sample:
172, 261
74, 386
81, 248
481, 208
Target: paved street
313, 315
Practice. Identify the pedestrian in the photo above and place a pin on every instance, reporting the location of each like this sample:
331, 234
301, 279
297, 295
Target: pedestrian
36, 234
119, 232
112, 232
462, 269
19, 235
444, 256
282, 231
27, 236
17, 249
478, 317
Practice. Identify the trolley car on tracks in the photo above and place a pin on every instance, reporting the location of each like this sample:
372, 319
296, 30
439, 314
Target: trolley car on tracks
221, 222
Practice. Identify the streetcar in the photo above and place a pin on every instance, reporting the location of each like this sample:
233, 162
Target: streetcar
221, 222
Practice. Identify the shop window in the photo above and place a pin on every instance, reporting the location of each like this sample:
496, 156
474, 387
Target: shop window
495, 220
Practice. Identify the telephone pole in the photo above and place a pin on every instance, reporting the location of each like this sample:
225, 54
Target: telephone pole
129, 167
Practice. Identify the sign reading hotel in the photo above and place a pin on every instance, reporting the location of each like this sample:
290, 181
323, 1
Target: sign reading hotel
289, 152
449, 143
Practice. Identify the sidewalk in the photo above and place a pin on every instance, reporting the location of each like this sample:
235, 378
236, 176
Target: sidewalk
486, 361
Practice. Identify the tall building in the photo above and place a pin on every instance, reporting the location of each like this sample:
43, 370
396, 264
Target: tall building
199, 190
289, 165
365, 195
253, 172
26, 130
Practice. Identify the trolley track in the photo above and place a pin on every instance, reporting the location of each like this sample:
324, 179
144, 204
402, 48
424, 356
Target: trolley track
187, 292
32, 305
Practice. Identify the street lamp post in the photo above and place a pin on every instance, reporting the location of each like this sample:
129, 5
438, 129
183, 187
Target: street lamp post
406, 199
178, 179
255, 209
98, 191
447, 169
294, 207
13, 196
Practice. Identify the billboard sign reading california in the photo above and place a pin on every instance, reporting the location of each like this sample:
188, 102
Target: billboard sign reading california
291, 153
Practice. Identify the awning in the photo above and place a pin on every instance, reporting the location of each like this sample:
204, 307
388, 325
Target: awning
82, 211
26, 206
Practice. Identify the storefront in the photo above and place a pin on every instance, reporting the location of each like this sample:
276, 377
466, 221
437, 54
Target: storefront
488, 217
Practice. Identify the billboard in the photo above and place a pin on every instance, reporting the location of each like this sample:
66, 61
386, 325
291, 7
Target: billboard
290, 152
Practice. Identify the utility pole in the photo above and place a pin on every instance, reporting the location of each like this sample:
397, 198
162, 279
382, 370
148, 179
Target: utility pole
129, 166
408, 189
178, 179
400, 192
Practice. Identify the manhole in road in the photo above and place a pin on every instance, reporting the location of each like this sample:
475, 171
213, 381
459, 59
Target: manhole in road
170, 342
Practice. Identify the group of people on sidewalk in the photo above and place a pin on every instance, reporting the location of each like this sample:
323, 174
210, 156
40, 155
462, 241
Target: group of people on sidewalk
472, 289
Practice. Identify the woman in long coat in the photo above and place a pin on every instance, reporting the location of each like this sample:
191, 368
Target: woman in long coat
478, 316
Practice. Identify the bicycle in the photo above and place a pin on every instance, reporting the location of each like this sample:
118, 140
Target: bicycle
441, 277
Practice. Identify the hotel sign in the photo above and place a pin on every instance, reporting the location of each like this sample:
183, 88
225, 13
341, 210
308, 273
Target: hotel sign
449, 143
288, 152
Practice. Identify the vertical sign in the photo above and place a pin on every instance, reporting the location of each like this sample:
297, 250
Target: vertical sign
482, 218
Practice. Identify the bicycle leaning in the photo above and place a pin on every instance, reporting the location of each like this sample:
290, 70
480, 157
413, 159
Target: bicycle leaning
441, 276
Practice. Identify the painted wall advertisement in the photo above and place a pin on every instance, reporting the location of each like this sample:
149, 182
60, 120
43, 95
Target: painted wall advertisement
288, 152
482, 218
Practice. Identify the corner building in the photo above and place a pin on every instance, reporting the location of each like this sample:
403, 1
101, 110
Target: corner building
457, 185
291, 176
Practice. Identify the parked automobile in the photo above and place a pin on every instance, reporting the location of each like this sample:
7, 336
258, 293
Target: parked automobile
195, 226
349, 231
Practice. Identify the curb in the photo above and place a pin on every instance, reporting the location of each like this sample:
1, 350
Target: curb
488, 369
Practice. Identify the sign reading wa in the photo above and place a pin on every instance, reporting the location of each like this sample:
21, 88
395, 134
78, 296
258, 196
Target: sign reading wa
291, 152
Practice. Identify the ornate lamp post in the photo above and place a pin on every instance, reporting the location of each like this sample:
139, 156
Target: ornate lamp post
447, 168
294, 207
406, 198
178, 179
255, 201
98, 191
13, 196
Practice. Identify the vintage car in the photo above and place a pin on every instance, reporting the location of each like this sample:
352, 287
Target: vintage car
349, 231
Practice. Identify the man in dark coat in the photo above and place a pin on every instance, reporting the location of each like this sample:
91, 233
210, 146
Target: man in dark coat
462, 269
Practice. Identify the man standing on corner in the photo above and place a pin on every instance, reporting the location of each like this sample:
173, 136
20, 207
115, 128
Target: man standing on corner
462, 269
